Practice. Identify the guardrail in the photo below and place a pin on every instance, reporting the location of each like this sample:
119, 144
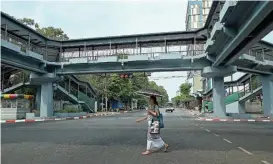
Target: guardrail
17, 78
249, 89
27, 45
93, 54
260, 55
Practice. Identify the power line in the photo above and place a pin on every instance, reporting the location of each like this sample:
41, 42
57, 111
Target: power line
153, 77
166, 77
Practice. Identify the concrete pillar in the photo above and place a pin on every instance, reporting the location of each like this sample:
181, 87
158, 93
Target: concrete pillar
46, 107
219, 107
38, 98
96, 106
267, 83
242, 107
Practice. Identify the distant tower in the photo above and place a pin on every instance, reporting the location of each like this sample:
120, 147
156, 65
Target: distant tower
196, 16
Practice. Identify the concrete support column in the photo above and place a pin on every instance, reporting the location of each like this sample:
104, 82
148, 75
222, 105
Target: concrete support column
219, 107
267, 83
242, 107
46, 107
38, 98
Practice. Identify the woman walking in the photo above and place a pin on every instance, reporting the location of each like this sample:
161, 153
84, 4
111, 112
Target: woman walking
154, 141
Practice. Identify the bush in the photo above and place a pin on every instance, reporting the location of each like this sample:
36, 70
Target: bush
68, 110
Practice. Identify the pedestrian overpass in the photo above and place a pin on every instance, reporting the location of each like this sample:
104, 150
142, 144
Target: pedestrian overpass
229, 42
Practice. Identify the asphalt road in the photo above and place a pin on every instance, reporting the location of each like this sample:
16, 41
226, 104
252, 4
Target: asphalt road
119, 140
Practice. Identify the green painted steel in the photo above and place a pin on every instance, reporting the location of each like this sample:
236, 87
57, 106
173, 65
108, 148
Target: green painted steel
228, 100
89, 101
232, 98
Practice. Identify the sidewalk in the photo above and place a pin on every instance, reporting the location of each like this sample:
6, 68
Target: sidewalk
232, 118
65, 118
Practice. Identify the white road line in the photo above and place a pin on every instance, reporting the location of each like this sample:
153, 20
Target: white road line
215, 134
265, 162
228, 141
244, 150
19, 120
207, 130
251, 120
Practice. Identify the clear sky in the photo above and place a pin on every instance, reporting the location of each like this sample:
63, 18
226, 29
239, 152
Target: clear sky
82, 19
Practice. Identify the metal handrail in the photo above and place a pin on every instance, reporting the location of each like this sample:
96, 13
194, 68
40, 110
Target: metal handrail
94, 54
249, 89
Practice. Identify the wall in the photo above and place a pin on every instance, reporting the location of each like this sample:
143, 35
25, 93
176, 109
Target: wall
197, 83
14, 113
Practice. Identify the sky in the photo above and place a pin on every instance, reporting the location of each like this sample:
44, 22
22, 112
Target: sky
83, 19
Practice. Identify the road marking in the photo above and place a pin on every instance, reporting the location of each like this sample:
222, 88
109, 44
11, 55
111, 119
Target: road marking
244, 150
228, 141
215, 134
265, 162
251, 120
19, 120
207, 130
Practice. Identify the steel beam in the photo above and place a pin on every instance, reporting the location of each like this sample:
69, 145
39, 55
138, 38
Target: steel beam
200, 35
260, 13
20, 62
134, 66
252, 41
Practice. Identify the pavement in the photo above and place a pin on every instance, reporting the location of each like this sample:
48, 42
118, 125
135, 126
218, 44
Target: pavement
118, 139
41, 119
233, 118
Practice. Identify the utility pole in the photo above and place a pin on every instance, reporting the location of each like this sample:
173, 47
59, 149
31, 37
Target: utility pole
105, 91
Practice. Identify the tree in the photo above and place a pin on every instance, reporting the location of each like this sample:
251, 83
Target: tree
184, 96
185, 88
50, 32
161, 90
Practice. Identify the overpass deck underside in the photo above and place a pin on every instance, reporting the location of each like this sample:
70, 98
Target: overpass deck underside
231, 36
153, 62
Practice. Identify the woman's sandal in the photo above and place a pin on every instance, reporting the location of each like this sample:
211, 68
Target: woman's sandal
166, 147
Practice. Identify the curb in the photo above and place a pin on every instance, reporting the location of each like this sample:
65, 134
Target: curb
234, 120
56, 119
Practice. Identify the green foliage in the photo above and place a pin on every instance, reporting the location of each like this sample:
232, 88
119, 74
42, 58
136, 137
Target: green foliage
185, 88
50, 32
68, 110
163, 92
124, 89
184, 96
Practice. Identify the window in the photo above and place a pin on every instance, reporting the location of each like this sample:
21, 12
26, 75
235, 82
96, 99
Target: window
195, 24
205, 18
197, 18
192, 18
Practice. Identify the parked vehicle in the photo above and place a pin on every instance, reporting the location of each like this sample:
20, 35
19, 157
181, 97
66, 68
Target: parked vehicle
170, 109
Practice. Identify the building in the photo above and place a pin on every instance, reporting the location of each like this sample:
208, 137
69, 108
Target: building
196, 16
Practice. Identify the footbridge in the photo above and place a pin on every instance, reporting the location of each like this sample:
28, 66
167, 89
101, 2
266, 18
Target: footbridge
229, 42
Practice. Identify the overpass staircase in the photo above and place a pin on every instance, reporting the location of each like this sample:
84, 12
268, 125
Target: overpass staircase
16, 80
242, 96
